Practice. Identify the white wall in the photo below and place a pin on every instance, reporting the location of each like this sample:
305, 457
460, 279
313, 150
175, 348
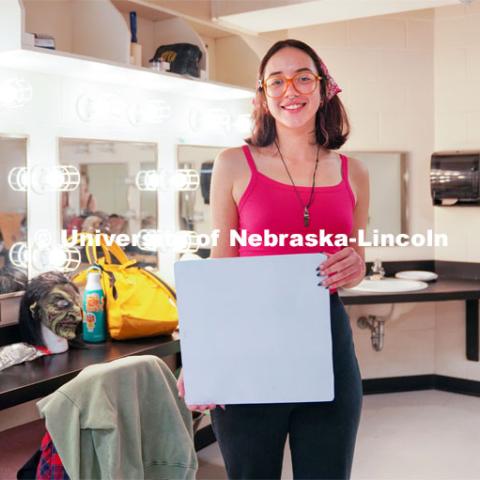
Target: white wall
457, 116
457, 126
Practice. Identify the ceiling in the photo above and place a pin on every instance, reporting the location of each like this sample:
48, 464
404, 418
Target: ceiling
260, 16
226, 17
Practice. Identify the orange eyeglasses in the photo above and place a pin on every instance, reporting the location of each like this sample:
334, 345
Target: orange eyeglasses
276, 85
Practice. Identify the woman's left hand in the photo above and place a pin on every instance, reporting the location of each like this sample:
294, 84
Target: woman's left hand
345, 268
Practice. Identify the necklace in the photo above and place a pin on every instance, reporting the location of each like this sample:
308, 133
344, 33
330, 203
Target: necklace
306, 213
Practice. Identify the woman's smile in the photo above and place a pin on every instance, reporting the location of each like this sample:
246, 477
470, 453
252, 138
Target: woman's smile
294, 107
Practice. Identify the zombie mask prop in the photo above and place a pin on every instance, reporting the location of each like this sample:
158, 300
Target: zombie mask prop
60, 311
53, 301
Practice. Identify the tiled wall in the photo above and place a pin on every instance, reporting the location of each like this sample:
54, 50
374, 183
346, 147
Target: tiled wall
385, 68
457, 116
457, 127
409, 341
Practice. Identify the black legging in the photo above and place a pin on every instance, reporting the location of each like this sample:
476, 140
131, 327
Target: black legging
322, 434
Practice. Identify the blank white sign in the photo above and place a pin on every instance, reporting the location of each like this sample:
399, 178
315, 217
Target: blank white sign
255, 330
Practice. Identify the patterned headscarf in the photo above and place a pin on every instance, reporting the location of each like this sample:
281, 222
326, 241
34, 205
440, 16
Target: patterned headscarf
332, 86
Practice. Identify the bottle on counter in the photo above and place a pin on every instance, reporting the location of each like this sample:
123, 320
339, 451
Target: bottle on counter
135, 47
94, 320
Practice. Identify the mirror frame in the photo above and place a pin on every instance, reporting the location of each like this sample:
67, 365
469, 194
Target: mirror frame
26, 138
404, 207
155, 145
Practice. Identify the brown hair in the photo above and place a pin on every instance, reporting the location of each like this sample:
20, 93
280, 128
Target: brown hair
331, 122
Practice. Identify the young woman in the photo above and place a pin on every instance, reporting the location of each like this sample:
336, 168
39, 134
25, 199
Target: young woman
288, 179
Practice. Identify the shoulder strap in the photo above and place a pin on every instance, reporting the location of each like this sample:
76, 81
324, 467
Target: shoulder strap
344, 160
113, 250
345, 179
249, 157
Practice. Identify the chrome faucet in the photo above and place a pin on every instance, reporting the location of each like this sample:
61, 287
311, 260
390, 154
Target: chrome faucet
377, 271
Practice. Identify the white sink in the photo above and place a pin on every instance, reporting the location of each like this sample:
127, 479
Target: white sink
388, 285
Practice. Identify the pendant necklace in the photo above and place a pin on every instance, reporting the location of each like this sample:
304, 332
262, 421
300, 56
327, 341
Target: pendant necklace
306, 213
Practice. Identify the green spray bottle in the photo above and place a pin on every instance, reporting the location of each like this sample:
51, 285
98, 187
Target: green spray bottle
94, 321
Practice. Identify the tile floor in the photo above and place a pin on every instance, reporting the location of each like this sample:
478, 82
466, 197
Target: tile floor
425, 435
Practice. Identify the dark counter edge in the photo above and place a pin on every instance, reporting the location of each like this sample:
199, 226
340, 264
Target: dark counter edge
44, 387
448, 272
438, 291
406, 297
444, 268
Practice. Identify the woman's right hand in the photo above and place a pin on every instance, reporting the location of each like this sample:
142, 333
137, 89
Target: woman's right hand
181, 394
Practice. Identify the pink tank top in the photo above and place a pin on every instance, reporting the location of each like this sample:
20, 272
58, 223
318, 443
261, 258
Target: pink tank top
269, 204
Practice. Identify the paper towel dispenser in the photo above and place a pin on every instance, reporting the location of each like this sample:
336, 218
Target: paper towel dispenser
455, 178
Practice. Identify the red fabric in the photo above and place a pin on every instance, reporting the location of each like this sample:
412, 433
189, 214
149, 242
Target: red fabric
42, 349
50, 466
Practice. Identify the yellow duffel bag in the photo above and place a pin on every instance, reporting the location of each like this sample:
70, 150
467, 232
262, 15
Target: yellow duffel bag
138, 302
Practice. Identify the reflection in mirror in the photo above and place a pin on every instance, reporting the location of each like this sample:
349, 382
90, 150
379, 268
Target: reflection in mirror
387, 211
194, 206
13, 214
107, 199
388, 187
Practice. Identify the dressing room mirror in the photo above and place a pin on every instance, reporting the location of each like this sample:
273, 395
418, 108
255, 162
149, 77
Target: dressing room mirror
194, 207
107, 198
13, 214
388, 187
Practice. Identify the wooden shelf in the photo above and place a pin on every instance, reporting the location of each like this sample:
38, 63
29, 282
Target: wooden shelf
83, 43
154, 12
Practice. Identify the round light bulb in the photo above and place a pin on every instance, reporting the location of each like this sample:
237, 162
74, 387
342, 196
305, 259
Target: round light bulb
18, 179
147, 240
179, 180
152, 180
43, 238
147, 180
185, 241
183, 180
15, 93
54, 180
18, 254
57, 258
